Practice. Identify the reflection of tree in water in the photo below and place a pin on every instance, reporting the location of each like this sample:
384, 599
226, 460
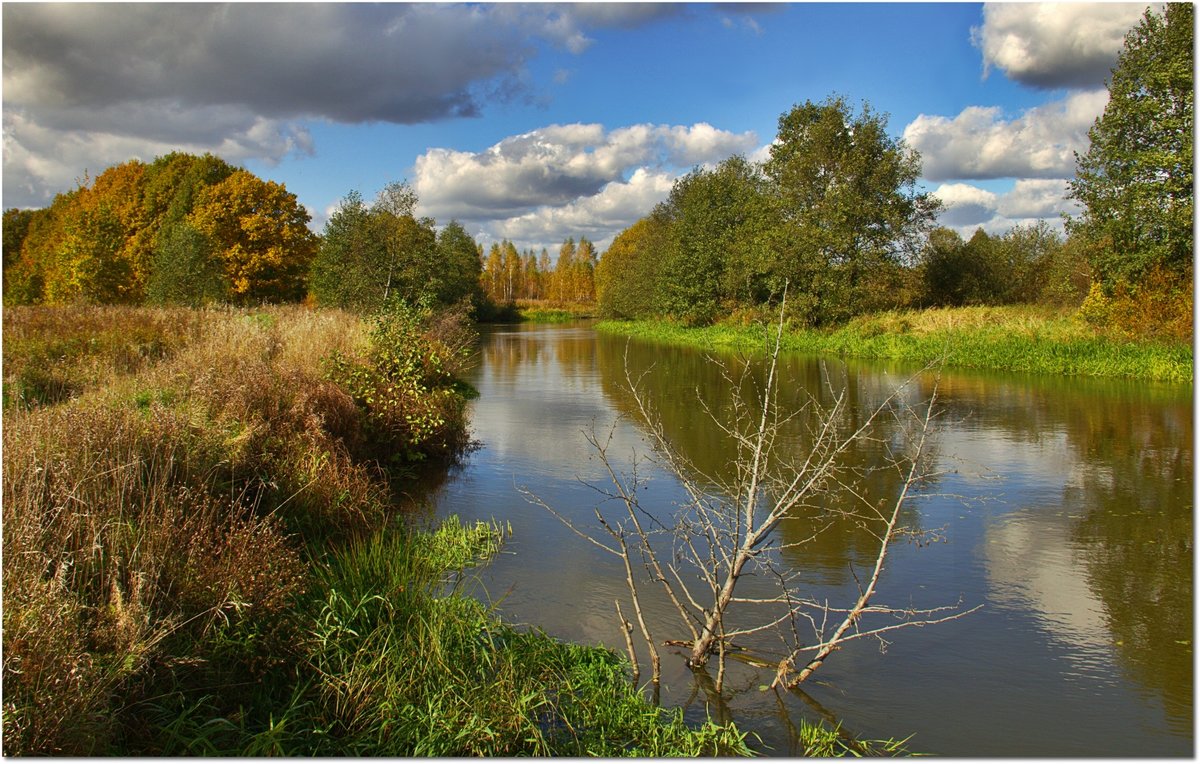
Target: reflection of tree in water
1135, 494
518, 350
676, 381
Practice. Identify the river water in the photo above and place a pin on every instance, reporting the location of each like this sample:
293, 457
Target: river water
1064, 508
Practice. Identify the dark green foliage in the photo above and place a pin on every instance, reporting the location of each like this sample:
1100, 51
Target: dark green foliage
186, 270
370, 256
994, 270
848, 195
16, 226
1135, 181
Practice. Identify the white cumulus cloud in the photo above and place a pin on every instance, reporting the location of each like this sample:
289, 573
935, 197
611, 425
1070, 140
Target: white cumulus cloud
559, 164
967, 207
980, 143
1053, 45
599, 217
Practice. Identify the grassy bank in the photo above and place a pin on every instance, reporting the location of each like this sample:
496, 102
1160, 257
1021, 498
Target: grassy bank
1018, 339
201, 557
546, 312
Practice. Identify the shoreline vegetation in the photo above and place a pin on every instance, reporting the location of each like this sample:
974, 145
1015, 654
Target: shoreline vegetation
203, 555
1024, 339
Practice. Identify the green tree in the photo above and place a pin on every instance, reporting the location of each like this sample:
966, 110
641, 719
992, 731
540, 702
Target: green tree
848, 196
1135, 181
348, 270
460, 264
720, 241
16, 227
186, 270
629, 271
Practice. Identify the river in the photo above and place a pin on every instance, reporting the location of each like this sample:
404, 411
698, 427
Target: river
1064, 509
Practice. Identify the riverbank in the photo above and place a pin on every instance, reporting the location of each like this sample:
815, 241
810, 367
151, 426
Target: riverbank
202, 556
1019, 339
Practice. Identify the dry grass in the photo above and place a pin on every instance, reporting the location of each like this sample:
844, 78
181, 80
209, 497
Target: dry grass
157, 497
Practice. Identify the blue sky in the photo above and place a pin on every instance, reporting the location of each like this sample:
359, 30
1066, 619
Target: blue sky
538, 122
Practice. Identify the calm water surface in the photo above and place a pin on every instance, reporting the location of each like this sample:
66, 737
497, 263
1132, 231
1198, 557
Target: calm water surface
1066, 511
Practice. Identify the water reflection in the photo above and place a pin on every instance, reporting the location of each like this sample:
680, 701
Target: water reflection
692, 396
1076, 534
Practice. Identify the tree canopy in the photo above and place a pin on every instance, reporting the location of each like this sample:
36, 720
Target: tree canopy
1135, 180
834, 213
183, 228
371, 255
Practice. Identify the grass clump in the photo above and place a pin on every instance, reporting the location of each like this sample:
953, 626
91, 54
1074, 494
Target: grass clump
1015, 338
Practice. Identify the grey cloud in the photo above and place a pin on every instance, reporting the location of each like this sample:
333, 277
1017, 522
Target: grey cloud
346, 63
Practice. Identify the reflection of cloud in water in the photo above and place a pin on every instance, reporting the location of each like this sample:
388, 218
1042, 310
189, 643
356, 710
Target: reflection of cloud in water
1033, 565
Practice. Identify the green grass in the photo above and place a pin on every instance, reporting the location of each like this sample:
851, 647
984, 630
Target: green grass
393, 660
1013, 339
541, 312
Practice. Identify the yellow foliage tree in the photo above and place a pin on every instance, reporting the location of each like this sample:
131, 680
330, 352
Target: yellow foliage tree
260, 232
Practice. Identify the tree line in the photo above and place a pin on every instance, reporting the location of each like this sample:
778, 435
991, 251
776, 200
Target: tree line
191, 230
834, 214
509, 275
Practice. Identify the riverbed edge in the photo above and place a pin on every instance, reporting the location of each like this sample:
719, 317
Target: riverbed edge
986, 338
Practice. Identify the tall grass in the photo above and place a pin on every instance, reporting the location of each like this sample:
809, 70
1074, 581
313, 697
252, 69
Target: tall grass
200, 555
1018, 339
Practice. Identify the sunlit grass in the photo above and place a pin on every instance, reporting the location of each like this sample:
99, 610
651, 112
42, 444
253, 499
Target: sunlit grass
1019, 338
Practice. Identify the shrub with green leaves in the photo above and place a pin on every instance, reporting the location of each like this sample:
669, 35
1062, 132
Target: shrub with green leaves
415, 407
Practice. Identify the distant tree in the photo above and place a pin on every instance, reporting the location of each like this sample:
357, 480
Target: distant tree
562, 284
459, 263
1023, 256
186, 270
848, 196
1135, 180
16, 227
957, 272
261, 235
584, 272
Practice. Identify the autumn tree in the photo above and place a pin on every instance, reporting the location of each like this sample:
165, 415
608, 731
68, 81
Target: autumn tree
628, 273
1135, 180
260, 232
